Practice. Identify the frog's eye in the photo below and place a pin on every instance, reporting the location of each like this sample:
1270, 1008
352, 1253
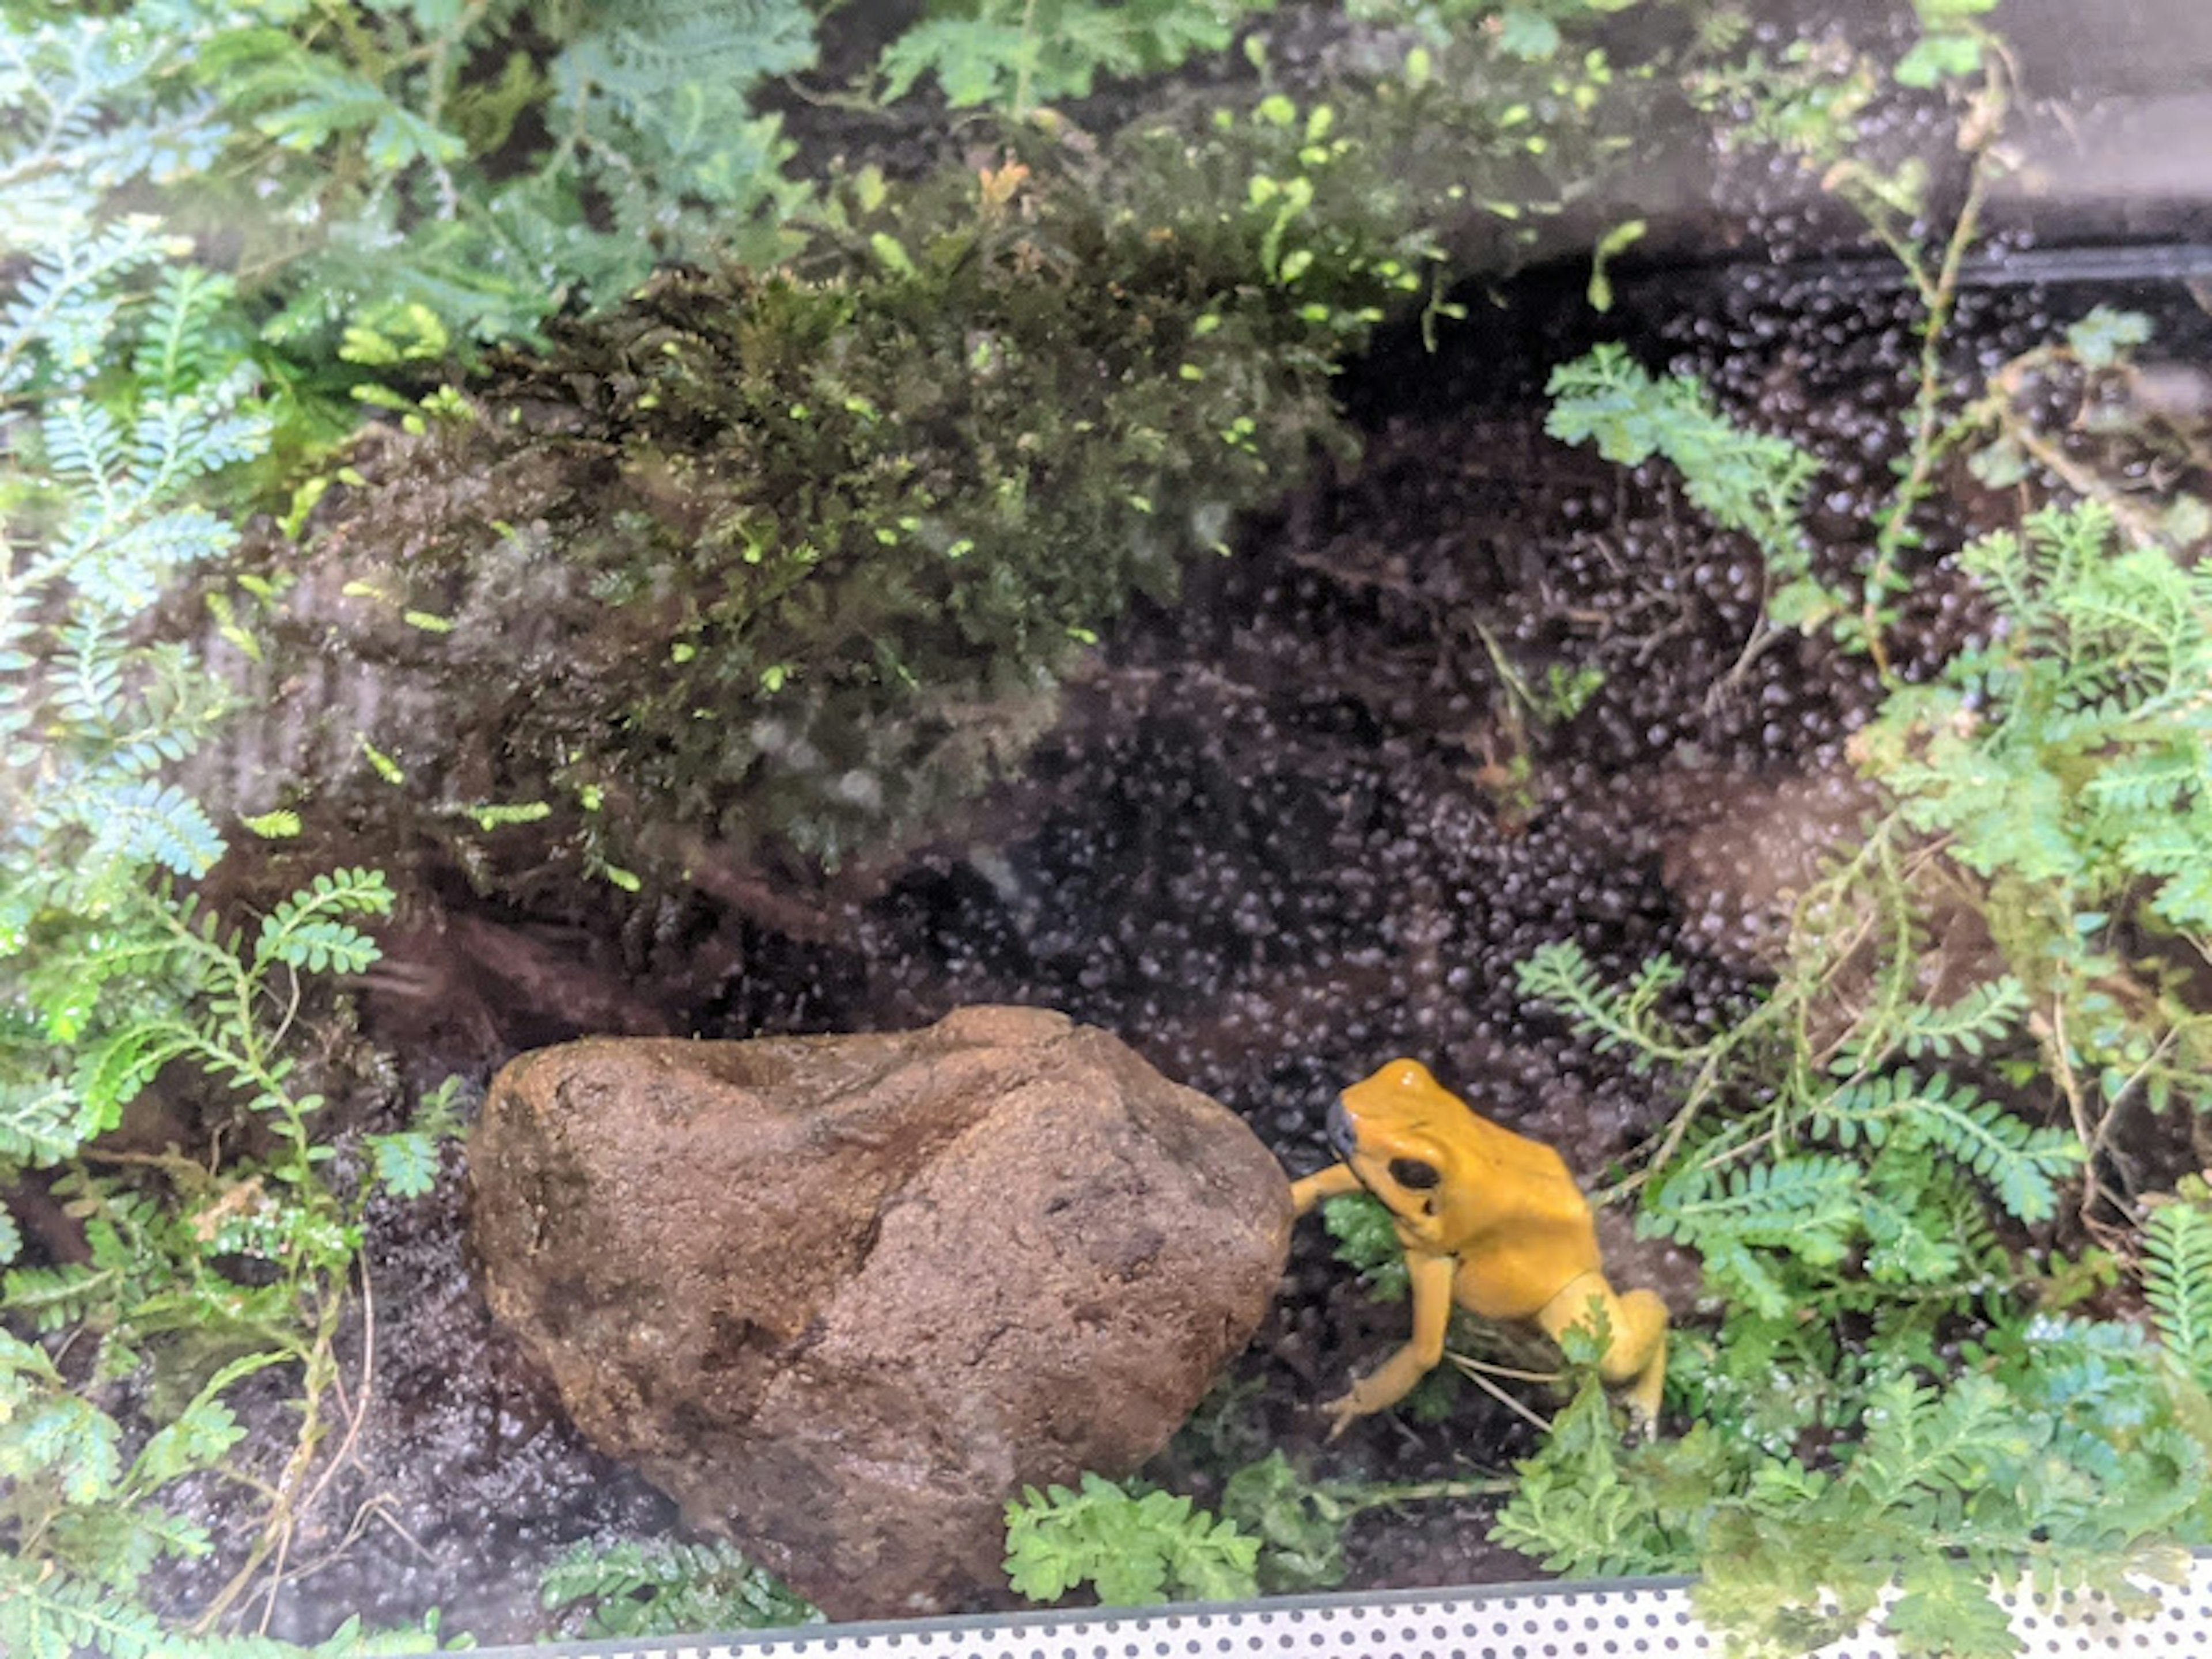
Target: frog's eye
1412, 1172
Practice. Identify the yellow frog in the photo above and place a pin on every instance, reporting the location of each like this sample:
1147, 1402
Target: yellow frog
1491, 1220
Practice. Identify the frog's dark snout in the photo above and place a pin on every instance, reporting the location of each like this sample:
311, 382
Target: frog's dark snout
1343, 1134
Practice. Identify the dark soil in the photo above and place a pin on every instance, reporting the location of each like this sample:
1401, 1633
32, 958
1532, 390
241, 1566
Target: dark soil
1277, 840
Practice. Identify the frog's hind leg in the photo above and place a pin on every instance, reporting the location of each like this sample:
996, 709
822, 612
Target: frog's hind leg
1635, 1357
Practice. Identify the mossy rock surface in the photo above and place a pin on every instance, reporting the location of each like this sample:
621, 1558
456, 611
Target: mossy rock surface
766, 570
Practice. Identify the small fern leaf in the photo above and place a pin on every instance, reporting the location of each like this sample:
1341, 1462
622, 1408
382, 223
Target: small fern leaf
111, 1072
175, 355
148, 823
1944, 1607
2178, 1283
84, 447
48, 1614
406, 1162
1967, 1025
66, 1439
308, 929
41, 1121
2021, 1162
1804, 1205
54, 1298
196, 1440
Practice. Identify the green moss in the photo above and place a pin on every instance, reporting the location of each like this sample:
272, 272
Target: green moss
794, 560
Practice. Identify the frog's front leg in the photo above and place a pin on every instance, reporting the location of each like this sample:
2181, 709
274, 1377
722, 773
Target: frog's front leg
1334, 1181
1393, 1380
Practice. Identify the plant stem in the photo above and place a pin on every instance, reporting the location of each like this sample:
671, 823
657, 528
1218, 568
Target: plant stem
1939, 293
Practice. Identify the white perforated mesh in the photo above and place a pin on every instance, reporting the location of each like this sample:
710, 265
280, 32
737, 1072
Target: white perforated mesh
1633, 1620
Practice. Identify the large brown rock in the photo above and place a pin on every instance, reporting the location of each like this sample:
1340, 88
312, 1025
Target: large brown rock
842, 1296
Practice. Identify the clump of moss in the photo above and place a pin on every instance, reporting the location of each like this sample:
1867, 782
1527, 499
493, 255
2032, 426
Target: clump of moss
789, 560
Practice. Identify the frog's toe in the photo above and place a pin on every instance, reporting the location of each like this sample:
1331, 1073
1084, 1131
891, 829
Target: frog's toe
1342, 1412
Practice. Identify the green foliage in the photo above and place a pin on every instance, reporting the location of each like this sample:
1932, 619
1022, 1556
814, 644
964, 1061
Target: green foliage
659, 1587
1528, 31
2103, 336
813, 549
1134, 1551
1928, 1495
69, 1498
2068, 764
1014, 54
1367, 1242
1300, 1525
130, 387
2074, 751
1845, 1451
407, 1163
481, 165
1749, 482
1807, 104
2178, 1279
1951, 46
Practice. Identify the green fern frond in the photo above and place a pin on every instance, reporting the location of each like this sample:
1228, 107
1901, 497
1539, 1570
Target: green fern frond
64, 1443
42, 1121
145, 823
1560, 975
1804, 1204
52, 1615
199, 1435
53, 1298
303, 99
179, 351
179, 439
84, 445
1573, 1507
1134, 1550
1967, 1025
1753, 482
1943, 1608
643, 53
1920, 1442
2178, 1282
665, 1588
56, 326
306, 930
991, 51
349, 1641
2020, 1160
1906, 1244
112, 1071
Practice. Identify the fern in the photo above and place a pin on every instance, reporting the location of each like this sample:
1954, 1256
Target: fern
1751, 482
48, 1616
306, 931
660, 1587
1966, 1026
1135, 1551
1561, 976
2022, 1163
1367, 1242
129, 394
1015, 54
651, 151
2177, 1279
